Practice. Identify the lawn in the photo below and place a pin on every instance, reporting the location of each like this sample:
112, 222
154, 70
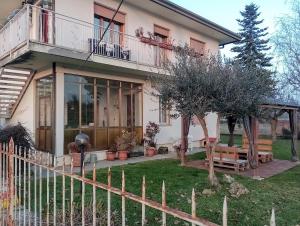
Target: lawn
281, 192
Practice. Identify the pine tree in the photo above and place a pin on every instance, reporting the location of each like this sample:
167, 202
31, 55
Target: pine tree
251, 50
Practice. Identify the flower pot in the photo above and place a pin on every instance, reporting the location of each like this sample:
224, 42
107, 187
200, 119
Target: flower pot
76, 159
145, 40
166, 46
110, 155
123, 155
151, 151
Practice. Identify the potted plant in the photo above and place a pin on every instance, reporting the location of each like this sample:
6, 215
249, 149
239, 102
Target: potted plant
75, 153
111, 153
168, 44
152, 129
125, 143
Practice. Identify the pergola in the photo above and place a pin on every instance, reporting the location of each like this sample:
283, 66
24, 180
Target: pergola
252, 127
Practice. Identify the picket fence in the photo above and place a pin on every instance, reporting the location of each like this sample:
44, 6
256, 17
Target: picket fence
28, 198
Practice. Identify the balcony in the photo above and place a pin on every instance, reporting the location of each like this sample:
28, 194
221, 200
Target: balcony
36, 26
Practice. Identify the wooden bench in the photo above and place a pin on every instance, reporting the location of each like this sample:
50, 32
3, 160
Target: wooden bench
228, 157
264, 148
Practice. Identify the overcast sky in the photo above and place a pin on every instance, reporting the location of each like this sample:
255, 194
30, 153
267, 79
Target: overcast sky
225, 12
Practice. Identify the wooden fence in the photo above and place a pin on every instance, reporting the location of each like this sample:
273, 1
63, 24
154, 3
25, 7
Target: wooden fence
25, 191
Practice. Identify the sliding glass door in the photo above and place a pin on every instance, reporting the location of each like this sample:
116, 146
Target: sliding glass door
102, 109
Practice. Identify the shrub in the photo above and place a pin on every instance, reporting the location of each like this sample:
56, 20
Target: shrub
152, 129
19, 133
126, 141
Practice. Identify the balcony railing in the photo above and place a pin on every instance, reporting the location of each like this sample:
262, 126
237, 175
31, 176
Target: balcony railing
37, 25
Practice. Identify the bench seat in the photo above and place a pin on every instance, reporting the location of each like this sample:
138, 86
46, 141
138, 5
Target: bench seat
227, 157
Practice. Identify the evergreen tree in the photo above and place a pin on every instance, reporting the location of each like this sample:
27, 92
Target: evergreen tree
251, 50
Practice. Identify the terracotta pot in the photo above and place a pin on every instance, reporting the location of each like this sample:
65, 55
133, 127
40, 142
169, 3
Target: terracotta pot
76, 159
110, 155
123, 155
151, 151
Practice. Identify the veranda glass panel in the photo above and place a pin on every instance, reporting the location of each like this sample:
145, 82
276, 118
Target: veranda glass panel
44, 103
114, 108
102, 109
138, 107
87, 105
126, 106
71, 108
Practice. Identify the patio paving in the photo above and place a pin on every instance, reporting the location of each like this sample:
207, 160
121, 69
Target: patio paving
105, 164
264, 170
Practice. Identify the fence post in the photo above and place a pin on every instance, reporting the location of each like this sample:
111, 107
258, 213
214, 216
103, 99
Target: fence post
225, 212
11, 183
272, 220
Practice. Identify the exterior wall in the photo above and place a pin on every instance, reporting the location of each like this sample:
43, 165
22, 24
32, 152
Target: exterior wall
25, 113
169, 134
135, 18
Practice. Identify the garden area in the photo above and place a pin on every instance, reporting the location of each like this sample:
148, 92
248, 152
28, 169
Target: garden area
281, 192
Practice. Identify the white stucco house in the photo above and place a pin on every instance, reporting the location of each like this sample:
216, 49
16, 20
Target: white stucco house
47, 84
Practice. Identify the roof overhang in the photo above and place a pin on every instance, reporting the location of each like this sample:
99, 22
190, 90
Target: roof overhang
7, 7
224, 35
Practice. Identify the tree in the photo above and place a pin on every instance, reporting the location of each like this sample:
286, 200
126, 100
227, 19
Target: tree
251, 50
189, 88
286, 40
241, 92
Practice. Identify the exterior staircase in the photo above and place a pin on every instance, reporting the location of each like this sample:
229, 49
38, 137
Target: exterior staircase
13, 84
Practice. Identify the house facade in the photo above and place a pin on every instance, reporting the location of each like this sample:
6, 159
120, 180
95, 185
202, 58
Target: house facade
58, 80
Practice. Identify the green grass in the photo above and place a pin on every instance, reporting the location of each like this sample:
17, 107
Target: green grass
281, 191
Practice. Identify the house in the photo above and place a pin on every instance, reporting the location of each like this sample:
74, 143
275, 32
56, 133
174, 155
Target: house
52, 82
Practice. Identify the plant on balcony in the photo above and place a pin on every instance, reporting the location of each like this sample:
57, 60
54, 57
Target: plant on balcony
151, 39
152, 129
125, 144
168, 44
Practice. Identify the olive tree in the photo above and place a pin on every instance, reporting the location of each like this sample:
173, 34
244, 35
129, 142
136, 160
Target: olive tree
194, 86
187, 88
241, 92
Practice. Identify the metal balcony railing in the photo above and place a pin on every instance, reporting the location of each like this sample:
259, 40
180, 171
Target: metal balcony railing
38, 25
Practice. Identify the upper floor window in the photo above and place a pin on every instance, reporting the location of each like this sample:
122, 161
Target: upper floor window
161, 34
102, 18
197, 45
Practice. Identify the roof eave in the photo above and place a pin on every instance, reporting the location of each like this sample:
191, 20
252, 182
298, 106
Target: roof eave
193, 16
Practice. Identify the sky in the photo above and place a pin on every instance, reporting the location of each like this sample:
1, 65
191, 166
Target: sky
225, 13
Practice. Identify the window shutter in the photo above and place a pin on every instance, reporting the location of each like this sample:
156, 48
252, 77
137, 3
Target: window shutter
197, 45
161, 30
108, 13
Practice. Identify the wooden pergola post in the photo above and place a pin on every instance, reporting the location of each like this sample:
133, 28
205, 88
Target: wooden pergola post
255, 132
293, 127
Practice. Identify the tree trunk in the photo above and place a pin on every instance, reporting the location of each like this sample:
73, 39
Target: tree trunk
231, 121
210, 149
273, 128
182, 157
